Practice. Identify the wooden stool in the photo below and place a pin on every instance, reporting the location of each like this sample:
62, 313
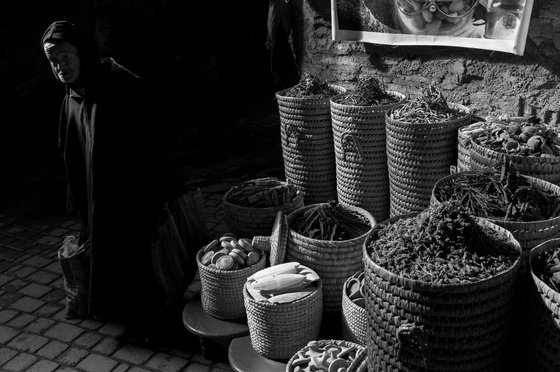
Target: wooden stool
243, 358
214, 334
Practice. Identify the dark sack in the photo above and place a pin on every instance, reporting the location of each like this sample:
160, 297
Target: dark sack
181, 230
74, 259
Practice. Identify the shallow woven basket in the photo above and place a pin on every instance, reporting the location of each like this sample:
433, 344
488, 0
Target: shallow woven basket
307, 145
417, 156
361, 158
222, 291
354, 318
358, 365
544, 336
464, 145
420, 326
334, 261
546, 168
277, 331
249, 222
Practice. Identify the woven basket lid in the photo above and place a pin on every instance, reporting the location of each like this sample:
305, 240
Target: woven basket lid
278, 239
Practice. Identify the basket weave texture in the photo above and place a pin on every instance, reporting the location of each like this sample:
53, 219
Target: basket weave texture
362, 178
418, 155
354, 318
464, 145
544, 336
418, 326
248, 222
277, 331
307, 145
222, 291
333, 261
546, 168
358, 365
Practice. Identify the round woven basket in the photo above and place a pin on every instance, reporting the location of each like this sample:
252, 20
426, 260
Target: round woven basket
420, 326
361, 158
544, 336
546, 168
464, 145
250, 222
334, 261
222, 291
354, 318
417, 156
358, 365
278, 330
307, 145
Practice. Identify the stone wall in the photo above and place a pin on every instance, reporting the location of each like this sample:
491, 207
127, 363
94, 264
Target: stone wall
488, 82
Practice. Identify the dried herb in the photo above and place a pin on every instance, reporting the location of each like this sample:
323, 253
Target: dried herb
525, 138
430, 107
310, 86
442, 245
330, 221
501, 195
263, 192
368, 92
547, 267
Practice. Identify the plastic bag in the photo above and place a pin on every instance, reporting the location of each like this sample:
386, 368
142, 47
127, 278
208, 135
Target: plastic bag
74, 259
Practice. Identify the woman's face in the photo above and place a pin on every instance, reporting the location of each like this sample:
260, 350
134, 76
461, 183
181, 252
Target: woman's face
64, 59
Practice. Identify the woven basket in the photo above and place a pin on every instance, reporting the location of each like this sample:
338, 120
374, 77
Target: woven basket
222, 291
420, 326
361, 158
334, 261
546, 168
464, 145
354, 318
307, 145
249, 222
358, 365
544, 336
417, 156
278, 330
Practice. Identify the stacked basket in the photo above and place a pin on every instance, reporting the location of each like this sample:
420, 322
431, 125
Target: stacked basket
307, 145
361, 157
354, 316
418, 156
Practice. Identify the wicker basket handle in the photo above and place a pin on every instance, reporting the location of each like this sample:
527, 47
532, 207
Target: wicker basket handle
350, 143
291, 131
409, 336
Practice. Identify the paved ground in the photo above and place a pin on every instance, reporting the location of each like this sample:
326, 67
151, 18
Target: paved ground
34, 335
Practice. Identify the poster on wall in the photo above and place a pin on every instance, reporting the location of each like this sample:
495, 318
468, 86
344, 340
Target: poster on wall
499, 25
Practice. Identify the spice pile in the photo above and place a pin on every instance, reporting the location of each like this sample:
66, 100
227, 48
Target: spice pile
330, 221
547, 268
369, 92
262, 193
528, 138
430, 107
310, 86
442, 245
505, 196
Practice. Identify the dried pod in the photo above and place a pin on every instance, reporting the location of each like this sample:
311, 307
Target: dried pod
511, 146
529, 130
514, 128
535, 142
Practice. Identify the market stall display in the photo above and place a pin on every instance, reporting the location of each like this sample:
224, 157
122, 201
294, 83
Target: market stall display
307, 141
438, 291
421, 148
329, 356
284, 309
224, 266
354, 317
358, 124
251, 207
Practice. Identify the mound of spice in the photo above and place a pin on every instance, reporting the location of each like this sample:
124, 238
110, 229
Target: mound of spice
310, 86
547, 267
368, 92
442, 245
330, 221
527, 138
430, 107
262, 193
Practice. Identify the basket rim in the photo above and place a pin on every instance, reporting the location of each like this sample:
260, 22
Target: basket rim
543, 247
532, 180
296, 199
435, 287
402, 96
226, 272
362, 211
463, 108
280, 94
521, 158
